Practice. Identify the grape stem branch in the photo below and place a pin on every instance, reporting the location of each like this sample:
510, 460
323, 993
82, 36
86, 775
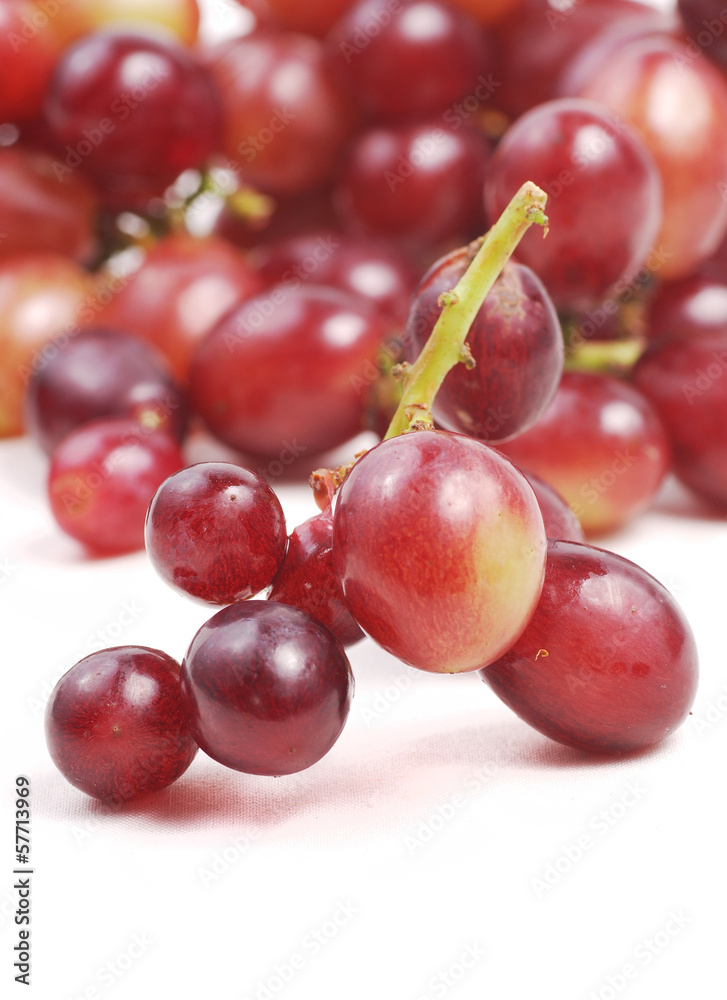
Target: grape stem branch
447, 344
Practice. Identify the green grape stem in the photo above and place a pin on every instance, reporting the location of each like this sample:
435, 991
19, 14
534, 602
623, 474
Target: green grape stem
447, 344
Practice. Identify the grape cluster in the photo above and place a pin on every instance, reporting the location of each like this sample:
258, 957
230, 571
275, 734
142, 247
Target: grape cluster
274, 241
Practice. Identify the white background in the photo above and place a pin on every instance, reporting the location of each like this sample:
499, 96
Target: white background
434, 852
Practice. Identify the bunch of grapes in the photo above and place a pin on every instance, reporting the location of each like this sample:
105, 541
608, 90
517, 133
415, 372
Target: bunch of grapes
272, 242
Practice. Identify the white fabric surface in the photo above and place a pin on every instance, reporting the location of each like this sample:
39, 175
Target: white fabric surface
433, 851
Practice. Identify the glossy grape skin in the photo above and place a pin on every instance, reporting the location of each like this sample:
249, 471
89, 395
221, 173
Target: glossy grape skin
604, 202
692, 307
267, 689
132, 111
391, 173
608, 663
101, 373
678, 102
102, 478
285, 118
40, 213
515, 340
366, 267
686, 380
181, 291
115, 726
307, 578
488, 11
439, 544
601, 445
559, 520
408, 61
257, 404
216, 532
41, 297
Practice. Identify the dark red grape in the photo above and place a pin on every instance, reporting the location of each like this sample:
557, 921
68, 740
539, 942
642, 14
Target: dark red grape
285, 373
133, 111
601, 445
115, 725
604, 197
705, 22
686, 380
608, 662
102, 478
439, 544
267, 688
515, 340
410, 60
419, 185
307, 579
216, 532
102, 373
285, 119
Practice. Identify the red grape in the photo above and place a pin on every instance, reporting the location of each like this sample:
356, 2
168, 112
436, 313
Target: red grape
101, 373
307, 578
216, 532
686, 380
115, 725
133, 111
604, 194
391, 173
601, 445
102, 478
285, 120
286, 373
688, 308
439, 545
267, 688
559, 520
608, 662
413, 59
515, 340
